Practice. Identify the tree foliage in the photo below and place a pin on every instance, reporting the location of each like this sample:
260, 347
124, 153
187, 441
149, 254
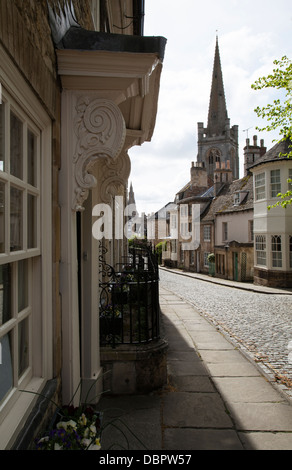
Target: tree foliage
279, 113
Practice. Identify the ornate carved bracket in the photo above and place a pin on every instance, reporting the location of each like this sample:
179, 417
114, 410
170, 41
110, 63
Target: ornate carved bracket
100, 129
115, 176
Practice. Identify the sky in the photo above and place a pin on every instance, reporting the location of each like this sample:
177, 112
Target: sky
251, 35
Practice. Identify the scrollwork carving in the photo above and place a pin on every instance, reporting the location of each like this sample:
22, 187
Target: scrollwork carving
115, 176
100, 129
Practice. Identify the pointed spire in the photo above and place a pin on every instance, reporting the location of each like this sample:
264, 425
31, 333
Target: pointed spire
217, 107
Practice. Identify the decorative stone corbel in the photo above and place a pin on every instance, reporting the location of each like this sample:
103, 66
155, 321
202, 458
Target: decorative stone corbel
100, 129
115, 175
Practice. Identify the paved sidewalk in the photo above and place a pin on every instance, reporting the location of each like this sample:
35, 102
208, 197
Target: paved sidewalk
216, 399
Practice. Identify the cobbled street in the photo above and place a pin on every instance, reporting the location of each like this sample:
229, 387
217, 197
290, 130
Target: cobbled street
261, 324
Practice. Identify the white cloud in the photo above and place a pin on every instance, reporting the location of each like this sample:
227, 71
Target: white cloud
251, 35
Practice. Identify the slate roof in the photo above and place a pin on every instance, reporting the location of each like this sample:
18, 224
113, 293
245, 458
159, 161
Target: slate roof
274, 153
192, 190
224, 202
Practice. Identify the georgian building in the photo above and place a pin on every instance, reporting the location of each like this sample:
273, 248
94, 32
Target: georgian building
79, 88
272, 227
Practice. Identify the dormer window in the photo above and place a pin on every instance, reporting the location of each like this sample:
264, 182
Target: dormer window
239, 197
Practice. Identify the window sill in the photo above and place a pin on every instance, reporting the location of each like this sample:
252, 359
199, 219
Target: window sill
16, 417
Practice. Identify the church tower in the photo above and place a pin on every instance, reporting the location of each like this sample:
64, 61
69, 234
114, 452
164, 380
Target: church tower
131, 200
218, 142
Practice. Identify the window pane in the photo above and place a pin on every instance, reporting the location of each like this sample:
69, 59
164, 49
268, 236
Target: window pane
31, 222
16, 147
2, 217
5, 293
23, 357
260, 191
2, 137
31, 158
276, 251
22, 285
275, 183
15, 219
6, 375
261, 250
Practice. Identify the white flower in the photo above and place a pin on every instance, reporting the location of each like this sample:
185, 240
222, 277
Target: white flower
43, 439
66, 424
92, 429
57, 446
95, 446
83, 419
86, 442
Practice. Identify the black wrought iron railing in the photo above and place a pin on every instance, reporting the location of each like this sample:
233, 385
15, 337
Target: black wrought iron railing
129, 298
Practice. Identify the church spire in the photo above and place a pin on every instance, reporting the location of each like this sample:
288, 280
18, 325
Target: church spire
217, 107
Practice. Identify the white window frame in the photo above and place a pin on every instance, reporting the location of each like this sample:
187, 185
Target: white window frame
276, 250
261, 250
260, 186
207, 233
275, 182
17, 405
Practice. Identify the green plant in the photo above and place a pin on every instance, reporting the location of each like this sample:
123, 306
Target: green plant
110, 311
75, 429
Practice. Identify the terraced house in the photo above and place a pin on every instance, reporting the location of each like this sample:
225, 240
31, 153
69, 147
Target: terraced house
79, 88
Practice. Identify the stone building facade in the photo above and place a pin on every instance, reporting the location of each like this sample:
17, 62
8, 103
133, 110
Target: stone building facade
272, 227
79, 87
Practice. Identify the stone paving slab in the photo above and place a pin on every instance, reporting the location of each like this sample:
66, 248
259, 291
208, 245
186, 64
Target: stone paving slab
262, 416
222, 357
187, 368
246, 390
198, 439
131, 422
195, 410
234, 369
266, 440
192, 383
210, 340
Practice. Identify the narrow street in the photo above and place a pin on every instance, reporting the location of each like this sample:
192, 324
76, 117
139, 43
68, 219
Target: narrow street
261, 324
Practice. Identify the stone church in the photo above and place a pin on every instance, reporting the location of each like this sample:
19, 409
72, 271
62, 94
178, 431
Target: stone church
217, 165
218, 142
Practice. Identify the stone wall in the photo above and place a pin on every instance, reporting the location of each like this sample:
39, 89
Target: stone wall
26, 35
280, 279
131, 369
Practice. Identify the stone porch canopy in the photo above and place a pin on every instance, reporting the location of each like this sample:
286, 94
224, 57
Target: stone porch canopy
124, 68
108, 77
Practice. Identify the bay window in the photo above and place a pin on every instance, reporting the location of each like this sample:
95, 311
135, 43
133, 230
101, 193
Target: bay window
276, 251
19, 241
275, 183
260, 246
25, 251
260, 186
